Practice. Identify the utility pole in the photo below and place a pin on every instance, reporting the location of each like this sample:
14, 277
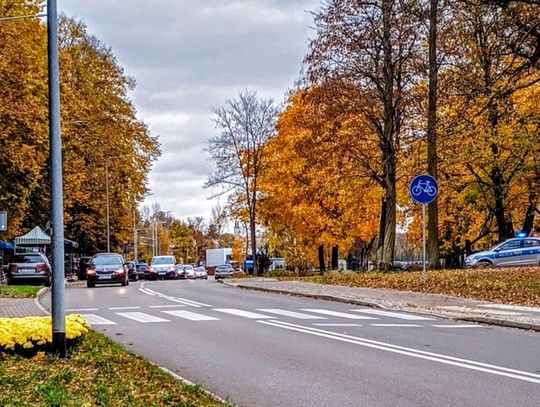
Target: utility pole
57, 204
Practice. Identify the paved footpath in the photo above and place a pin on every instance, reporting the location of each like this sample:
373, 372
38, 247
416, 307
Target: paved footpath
433, 304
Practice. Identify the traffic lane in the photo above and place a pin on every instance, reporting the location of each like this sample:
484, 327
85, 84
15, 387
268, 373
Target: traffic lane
512, 348
257, 364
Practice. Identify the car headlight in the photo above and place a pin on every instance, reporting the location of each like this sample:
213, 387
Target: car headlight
119, 271
172, 268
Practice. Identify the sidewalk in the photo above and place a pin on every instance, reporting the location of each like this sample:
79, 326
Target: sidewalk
444, 306
22, 307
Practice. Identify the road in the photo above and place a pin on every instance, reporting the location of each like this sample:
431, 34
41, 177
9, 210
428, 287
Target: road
259, 349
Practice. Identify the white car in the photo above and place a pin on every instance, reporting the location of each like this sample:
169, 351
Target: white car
189, 271
200, 272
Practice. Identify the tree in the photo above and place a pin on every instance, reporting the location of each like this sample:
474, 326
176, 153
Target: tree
372, 47
245, 125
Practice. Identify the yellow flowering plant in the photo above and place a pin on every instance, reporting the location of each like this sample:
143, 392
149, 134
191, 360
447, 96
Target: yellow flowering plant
30, 332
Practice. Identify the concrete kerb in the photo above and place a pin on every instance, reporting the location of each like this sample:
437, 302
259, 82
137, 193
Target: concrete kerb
454, 317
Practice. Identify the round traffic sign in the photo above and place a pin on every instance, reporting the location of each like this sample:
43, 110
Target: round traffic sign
423, 189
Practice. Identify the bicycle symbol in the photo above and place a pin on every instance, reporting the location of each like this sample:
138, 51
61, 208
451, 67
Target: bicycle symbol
424, 186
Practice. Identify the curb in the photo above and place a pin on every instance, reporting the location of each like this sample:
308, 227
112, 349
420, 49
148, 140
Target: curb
39, 294
480, 320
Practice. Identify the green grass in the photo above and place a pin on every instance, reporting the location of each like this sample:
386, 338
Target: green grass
98, 372
19, 291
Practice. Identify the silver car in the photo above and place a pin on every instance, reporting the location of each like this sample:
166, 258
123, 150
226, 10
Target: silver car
511, 252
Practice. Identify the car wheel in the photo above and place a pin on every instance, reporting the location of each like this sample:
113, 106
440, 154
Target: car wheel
124, 283
136, 277
482, 264
90, 284
206, 277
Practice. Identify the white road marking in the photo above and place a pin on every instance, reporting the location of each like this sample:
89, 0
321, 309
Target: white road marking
202, 304
121, 308
337, 324
94, 319
435, 357
457, 326
166, 306
512, 307
241, 313
141, 317
398, 315
336, 313
192, 316
291, 314
178, 299
399, 325
81, 309
145, 291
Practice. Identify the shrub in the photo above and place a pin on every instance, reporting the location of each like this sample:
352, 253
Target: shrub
280, 273
30, 332
239, 274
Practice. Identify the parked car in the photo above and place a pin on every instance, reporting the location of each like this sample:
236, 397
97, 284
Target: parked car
106, 268
132, 271
83, 262
200, 272
145, 271
511, 252
180, 271
189, 271
164, 266
31, 267
224, 271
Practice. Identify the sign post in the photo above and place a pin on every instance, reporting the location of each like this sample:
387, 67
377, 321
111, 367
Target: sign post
423, 190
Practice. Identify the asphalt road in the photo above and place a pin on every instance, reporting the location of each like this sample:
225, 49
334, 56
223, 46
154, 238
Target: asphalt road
258, 349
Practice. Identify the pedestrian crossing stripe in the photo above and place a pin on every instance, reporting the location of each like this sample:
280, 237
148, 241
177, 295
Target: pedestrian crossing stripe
241, 313
336, 313
409, 317
291, 314
192, 316
94, 319
141, 317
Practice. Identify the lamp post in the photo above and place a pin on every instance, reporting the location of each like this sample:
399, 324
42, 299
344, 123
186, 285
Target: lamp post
57, 204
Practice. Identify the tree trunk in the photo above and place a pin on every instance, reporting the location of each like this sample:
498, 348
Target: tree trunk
433, 208
253, 237
388, 150
504, 225
334, 258
322, 267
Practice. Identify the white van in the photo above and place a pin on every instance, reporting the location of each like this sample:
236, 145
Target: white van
164, 266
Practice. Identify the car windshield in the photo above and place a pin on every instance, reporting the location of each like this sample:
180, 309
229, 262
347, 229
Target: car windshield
223, 268
162, 260
188, 267
27, 258
142, 265
103, 260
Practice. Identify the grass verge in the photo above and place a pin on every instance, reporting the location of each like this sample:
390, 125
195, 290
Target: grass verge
98, 372
19, 291
519, 285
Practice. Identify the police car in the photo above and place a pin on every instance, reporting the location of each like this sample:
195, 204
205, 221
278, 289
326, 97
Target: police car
511, 252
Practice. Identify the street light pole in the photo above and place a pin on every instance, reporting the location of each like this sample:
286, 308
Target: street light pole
57, 204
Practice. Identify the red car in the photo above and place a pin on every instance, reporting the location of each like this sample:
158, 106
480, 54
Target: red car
106, 268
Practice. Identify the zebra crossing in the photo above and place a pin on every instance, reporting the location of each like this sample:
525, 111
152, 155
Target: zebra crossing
168, 313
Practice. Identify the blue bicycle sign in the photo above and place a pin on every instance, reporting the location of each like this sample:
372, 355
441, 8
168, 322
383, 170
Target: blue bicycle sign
423, 189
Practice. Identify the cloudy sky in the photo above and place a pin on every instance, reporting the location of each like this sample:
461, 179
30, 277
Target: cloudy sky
188, 56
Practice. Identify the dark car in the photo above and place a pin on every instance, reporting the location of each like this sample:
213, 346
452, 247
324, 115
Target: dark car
224, 271
106, 268
145, 271
132, 271
31, 267
180, 271
83, 262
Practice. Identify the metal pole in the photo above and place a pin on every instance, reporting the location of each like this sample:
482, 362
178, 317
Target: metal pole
107, 195
57, 211
423, 241
135, 248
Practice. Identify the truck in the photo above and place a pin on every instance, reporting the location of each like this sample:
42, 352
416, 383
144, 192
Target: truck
215, 257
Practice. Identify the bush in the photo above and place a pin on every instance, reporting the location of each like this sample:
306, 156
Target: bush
280, 273
239, 274
30, 332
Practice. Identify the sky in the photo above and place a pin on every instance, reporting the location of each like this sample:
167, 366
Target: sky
188, 56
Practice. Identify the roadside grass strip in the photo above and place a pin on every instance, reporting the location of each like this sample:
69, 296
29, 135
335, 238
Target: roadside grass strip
402, 350
97, 372
19, 291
